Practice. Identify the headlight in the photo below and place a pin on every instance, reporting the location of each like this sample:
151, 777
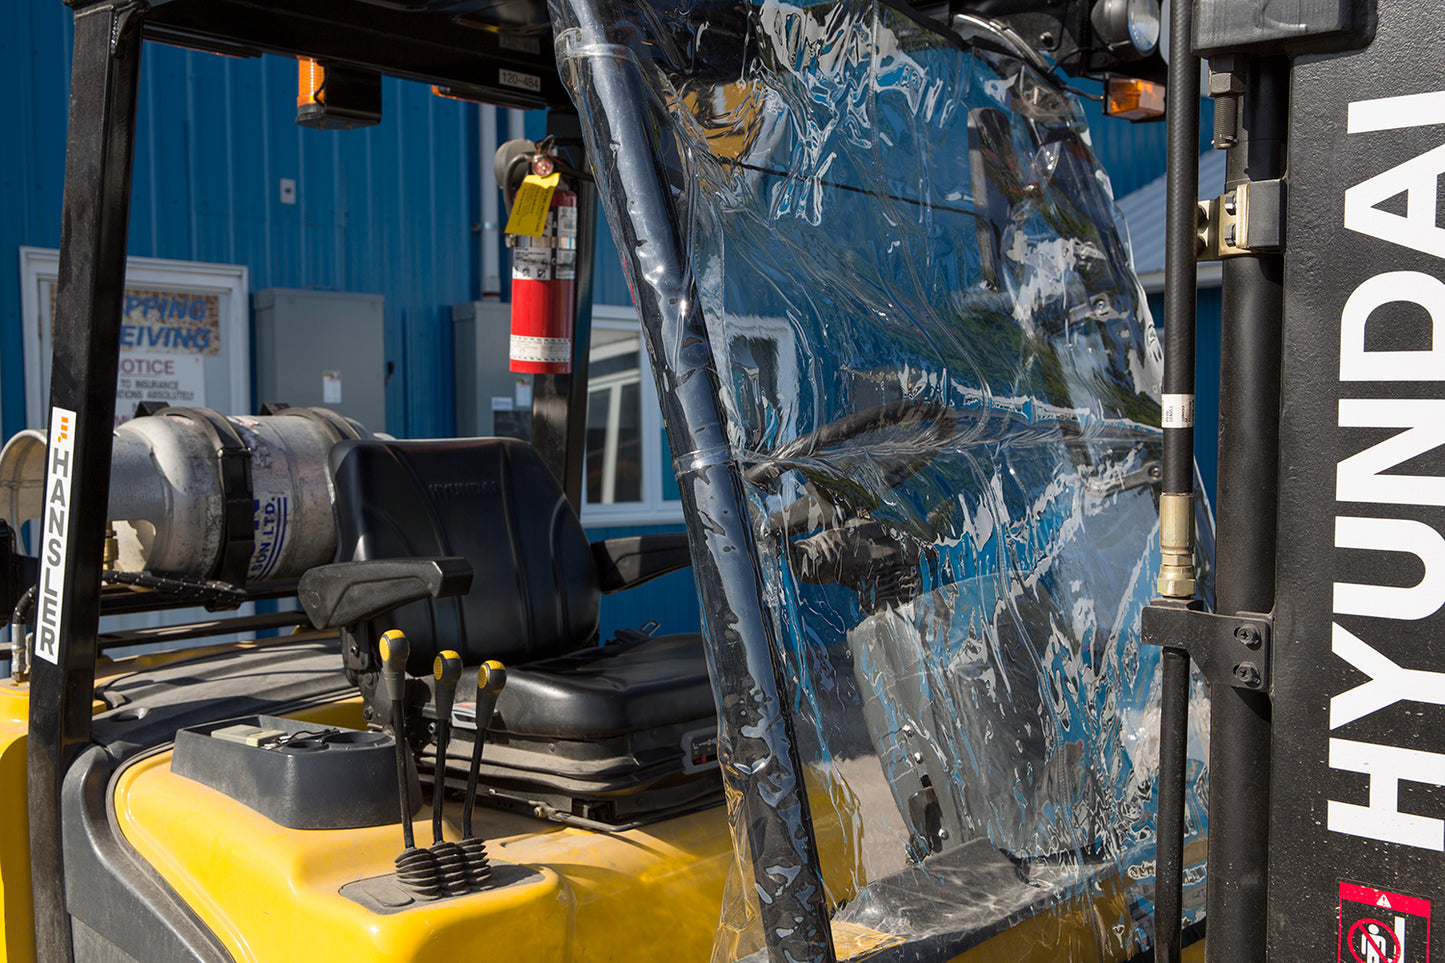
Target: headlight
1129, 28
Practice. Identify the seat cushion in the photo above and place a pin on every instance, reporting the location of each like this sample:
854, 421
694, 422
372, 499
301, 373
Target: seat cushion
611, 690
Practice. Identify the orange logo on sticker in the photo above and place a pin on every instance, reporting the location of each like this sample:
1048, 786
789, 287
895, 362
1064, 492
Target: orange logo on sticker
64, 427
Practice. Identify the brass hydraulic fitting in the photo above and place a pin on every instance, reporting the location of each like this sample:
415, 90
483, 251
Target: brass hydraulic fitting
1176, 546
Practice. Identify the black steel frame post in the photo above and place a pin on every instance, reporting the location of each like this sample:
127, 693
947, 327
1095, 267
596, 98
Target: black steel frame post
1249, 391
762, 770
559, 401
86, 335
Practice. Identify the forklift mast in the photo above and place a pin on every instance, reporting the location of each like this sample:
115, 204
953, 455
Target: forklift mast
1327, 754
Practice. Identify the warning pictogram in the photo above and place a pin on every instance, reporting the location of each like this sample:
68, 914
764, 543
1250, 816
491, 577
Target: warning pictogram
1382, 927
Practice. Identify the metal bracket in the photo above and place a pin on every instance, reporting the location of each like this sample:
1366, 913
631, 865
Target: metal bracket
1232, 650
1246, 220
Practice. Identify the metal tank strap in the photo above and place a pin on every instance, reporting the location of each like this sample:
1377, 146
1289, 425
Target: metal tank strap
238, 518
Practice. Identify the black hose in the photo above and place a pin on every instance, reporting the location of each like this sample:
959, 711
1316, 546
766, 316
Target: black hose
1177, 462
24, 613
1181, 219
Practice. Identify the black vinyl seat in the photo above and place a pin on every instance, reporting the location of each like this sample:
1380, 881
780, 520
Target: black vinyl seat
493, 502
533, 604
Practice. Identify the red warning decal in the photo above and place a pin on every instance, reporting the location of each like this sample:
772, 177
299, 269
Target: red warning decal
1382, 927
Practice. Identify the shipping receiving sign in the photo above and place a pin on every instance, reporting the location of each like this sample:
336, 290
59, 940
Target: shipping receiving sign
184, 335
165, 337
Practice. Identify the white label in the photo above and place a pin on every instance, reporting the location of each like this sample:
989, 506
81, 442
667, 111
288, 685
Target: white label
513, 78
541, 350
55, 525
1178, 411
331, 387
532, 264
566, 221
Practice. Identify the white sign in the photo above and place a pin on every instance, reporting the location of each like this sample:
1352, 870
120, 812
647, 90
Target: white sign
55, 524
184, 335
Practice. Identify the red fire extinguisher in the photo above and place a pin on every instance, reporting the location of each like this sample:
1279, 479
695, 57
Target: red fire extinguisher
542, 233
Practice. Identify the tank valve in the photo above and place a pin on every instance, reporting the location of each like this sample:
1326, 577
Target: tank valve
416, 869
491, 679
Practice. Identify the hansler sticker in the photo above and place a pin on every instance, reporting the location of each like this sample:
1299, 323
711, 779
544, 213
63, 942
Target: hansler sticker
56, 523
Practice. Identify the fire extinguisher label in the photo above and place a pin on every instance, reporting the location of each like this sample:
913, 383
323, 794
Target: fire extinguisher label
541, 350
532, 264
566, 221
552, 256
543, 264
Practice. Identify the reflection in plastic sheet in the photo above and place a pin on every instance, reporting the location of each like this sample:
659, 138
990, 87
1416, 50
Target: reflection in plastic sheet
895, 330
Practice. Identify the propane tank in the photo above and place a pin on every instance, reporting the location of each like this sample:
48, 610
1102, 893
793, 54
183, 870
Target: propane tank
169, 490
542, 233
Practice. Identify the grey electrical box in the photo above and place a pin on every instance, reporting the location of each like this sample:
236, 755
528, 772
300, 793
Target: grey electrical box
491, 398
325, 348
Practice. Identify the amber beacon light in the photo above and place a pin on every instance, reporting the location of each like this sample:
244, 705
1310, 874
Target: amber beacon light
329, 97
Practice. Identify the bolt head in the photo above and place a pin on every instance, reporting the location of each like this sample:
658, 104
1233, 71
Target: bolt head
1248, 674
1249, 635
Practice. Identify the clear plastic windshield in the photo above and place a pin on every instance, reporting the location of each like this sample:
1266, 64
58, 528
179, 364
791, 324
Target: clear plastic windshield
938, 388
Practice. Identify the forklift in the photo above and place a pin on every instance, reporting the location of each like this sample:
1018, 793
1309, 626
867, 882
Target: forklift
917, 723
941, 706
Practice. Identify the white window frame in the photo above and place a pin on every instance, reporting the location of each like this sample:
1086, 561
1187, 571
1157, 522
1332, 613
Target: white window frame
653, 509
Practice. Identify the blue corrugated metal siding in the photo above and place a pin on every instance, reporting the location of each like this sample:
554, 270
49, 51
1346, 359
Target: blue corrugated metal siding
382, 210
671, 599
1133, 154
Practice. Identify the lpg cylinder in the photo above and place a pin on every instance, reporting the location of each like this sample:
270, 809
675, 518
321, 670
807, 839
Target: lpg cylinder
169, 489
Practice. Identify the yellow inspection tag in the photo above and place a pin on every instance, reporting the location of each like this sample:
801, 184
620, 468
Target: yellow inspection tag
529, 207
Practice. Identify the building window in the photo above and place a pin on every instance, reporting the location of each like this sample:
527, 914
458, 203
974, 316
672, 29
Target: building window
628, 477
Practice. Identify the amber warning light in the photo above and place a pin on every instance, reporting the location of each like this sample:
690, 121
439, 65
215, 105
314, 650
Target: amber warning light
329, 97
1133, 99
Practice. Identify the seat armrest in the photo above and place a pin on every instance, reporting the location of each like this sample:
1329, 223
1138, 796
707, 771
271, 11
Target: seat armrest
629, 561
349, 592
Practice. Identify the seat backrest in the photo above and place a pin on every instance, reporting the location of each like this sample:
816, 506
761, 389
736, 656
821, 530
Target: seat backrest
493, 502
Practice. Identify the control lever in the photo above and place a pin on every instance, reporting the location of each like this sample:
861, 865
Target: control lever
451, 860
416, 869
491, 679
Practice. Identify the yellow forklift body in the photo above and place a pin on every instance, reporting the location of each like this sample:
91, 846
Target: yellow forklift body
272, 893
15, 894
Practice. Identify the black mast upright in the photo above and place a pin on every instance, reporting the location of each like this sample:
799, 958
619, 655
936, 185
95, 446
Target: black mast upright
1240, 743
96, 212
